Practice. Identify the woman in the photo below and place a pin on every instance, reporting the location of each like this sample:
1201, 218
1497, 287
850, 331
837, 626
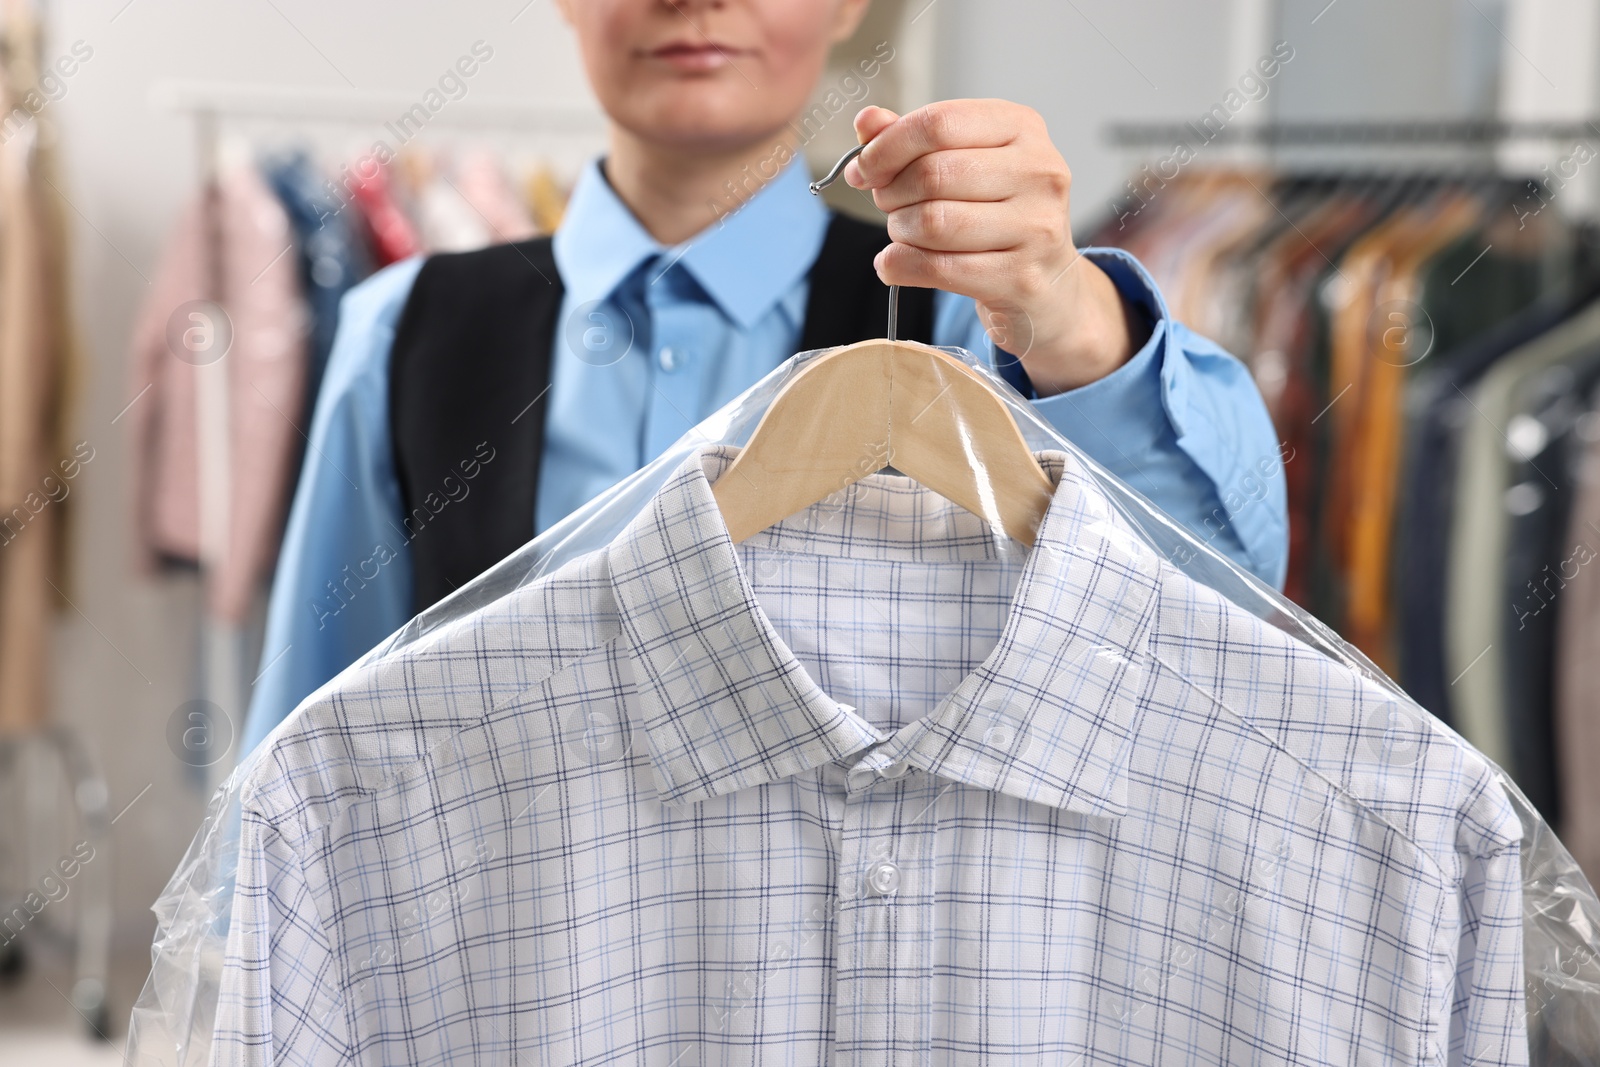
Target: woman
472, 400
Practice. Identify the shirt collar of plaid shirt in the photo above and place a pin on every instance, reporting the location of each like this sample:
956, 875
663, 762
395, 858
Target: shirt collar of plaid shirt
725, 705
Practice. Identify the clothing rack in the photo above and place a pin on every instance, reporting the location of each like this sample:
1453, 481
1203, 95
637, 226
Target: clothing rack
1397, 132
211, 106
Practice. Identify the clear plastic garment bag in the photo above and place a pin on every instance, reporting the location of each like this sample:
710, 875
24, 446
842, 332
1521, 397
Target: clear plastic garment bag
172, 1022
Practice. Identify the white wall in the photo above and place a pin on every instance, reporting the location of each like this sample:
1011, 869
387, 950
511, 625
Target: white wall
1092, 61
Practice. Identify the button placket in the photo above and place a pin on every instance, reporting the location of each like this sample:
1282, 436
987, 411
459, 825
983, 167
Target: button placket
673, 402
883, 991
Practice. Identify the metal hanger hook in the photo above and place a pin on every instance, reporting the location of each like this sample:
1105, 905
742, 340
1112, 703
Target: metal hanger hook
827, 180
838, 169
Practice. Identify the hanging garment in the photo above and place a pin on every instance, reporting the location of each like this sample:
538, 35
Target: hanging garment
253, 354
394, 236
1488, 277
1577, 677
1544, 441
1438, 406
1201, 276
1399, 337
546, 199
1369, 264
332, 252
824, 796
36, 465
1282, 363
1474, 624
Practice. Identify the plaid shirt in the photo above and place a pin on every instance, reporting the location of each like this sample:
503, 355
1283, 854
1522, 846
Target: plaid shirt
867, 789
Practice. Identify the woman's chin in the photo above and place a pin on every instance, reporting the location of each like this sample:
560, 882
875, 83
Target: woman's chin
710, 130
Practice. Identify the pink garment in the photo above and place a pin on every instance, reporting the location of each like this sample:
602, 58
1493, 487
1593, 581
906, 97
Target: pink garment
483, 183
261, 374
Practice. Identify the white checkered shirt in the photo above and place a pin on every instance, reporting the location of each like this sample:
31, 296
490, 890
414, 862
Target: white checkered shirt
866, 789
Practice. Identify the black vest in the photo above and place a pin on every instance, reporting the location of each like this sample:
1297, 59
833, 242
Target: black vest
470, 367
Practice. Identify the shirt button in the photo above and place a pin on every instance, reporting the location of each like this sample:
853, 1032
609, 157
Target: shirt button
895, 769
999, 736
668, 359
883, 878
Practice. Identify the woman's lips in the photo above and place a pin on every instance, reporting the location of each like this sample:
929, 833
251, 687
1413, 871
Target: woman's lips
694, 56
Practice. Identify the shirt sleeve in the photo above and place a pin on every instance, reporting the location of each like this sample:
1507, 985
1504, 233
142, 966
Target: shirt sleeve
278, 1000
1488, 1024
343, 581
1181, 422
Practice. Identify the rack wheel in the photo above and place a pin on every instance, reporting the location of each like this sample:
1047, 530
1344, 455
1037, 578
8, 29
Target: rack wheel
13, 962
99, 1025
89, 996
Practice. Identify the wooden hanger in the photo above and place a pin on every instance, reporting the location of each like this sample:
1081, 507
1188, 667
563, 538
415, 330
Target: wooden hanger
855, 410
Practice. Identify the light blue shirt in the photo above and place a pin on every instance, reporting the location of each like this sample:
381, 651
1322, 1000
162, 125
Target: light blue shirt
653, 339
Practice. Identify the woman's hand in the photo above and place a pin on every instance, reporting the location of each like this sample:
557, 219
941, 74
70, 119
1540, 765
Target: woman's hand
978, 204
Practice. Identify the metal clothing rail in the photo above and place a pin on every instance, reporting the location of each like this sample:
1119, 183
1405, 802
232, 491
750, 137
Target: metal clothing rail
296, 103
1400, 132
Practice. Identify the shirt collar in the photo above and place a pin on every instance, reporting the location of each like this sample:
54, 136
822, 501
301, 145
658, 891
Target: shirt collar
1047, 717
746, 262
